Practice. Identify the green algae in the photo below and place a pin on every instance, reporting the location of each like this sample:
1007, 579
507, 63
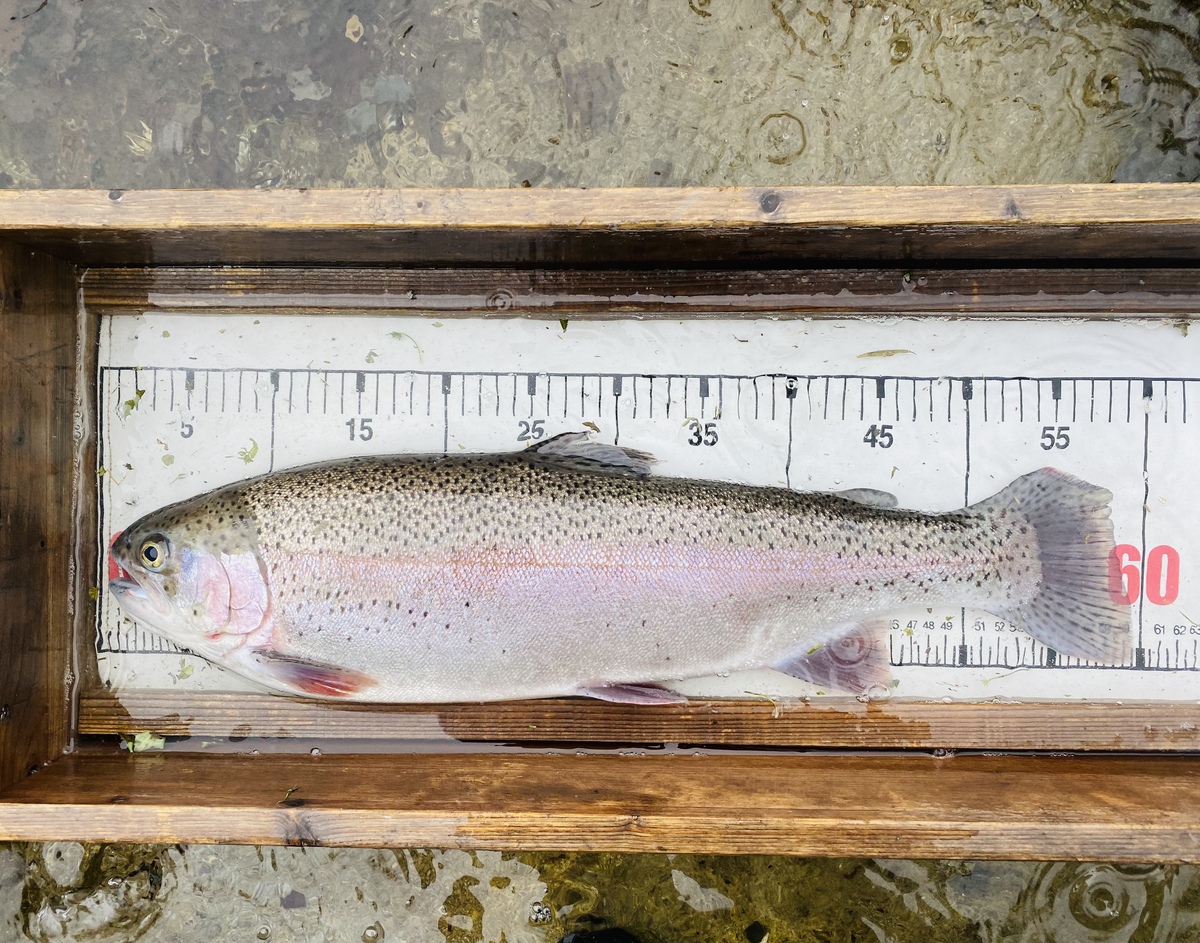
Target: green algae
785, 899
184, 894
114, 893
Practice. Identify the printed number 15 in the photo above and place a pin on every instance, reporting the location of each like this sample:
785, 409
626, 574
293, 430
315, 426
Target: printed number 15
365, 432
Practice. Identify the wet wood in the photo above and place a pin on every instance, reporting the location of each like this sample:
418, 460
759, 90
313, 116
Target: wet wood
554, 294
87, 510
37, 383
556, 253
829, 723
695, 227
1104, 808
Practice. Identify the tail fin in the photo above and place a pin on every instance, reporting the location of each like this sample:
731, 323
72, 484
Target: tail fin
1073, 610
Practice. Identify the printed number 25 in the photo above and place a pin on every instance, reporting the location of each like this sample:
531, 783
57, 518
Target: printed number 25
702, 435
531, 430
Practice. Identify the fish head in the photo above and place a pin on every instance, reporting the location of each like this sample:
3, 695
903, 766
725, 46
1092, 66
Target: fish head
194, 573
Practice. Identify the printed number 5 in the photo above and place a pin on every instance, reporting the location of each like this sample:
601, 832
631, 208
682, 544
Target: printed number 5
1055, 437
706, 435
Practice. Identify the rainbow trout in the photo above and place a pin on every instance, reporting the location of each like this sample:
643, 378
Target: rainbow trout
567, 569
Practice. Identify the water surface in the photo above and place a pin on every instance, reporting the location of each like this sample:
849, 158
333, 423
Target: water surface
395, 93
269, 93
124, 893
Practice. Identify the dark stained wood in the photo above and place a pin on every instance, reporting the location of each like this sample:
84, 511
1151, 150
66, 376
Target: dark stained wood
832, 723
684, 252
694, 227
87, 514
1118, 809
37, 384
554, 294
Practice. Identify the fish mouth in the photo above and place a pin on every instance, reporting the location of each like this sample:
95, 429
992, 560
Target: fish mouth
142, 603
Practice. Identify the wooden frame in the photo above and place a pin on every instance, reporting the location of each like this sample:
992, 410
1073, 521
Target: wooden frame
66, 256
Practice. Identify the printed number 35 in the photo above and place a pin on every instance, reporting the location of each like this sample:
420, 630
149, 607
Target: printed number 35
702, 435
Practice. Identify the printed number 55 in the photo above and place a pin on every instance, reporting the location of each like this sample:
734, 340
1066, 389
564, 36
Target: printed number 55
1055, 437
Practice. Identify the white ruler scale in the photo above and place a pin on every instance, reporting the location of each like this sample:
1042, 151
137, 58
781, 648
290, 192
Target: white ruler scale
941, 413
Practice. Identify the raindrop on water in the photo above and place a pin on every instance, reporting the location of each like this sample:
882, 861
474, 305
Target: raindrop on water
783, 137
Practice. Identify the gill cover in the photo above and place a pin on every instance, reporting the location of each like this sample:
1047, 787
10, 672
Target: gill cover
195, 573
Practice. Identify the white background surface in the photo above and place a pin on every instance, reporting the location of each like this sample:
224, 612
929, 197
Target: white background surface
241, 421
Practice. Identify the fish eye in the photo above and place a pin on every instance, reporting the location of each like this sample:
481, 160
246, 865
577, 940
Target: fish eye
154, 552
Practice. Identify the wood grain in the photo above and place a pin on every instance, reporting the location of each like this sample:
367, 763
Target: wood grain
87, 497
554, 294
37, 383
1106, 808
833, 723
695, 227
599, 209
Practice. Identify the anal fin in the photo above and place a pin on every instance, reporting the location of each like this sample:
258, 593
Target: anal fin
853, 660
305, 676
632, 694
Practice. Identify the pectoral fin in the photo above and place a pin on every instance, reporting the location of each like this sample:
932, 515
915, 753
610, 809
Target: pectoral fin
305, 676
853, 660
632, 694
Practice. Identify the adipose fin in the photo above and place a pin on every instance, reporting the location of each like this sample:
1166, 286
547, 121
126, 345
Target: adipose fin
871, 497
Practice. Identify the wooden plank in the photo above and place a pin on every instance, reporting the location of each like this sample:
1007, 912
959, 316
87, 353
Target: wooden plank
602, 228
828, 723
37, 384
599, 209
1136, 809
87, 511
1022, 292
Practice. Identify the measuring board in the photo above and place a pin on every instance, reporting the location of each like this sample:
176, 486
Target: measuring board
941, 413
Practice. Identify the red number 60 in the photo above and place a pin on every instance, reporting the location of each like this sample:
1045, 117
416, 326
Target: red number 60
1162, 575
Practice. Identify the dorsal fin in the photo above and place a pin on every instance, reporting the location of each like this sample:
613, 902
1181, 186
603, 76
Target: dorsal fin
871, 497
576, 451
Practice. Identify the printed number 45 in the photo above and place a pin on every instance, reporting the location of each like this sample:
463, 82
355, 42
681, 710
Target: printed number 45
879, 436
